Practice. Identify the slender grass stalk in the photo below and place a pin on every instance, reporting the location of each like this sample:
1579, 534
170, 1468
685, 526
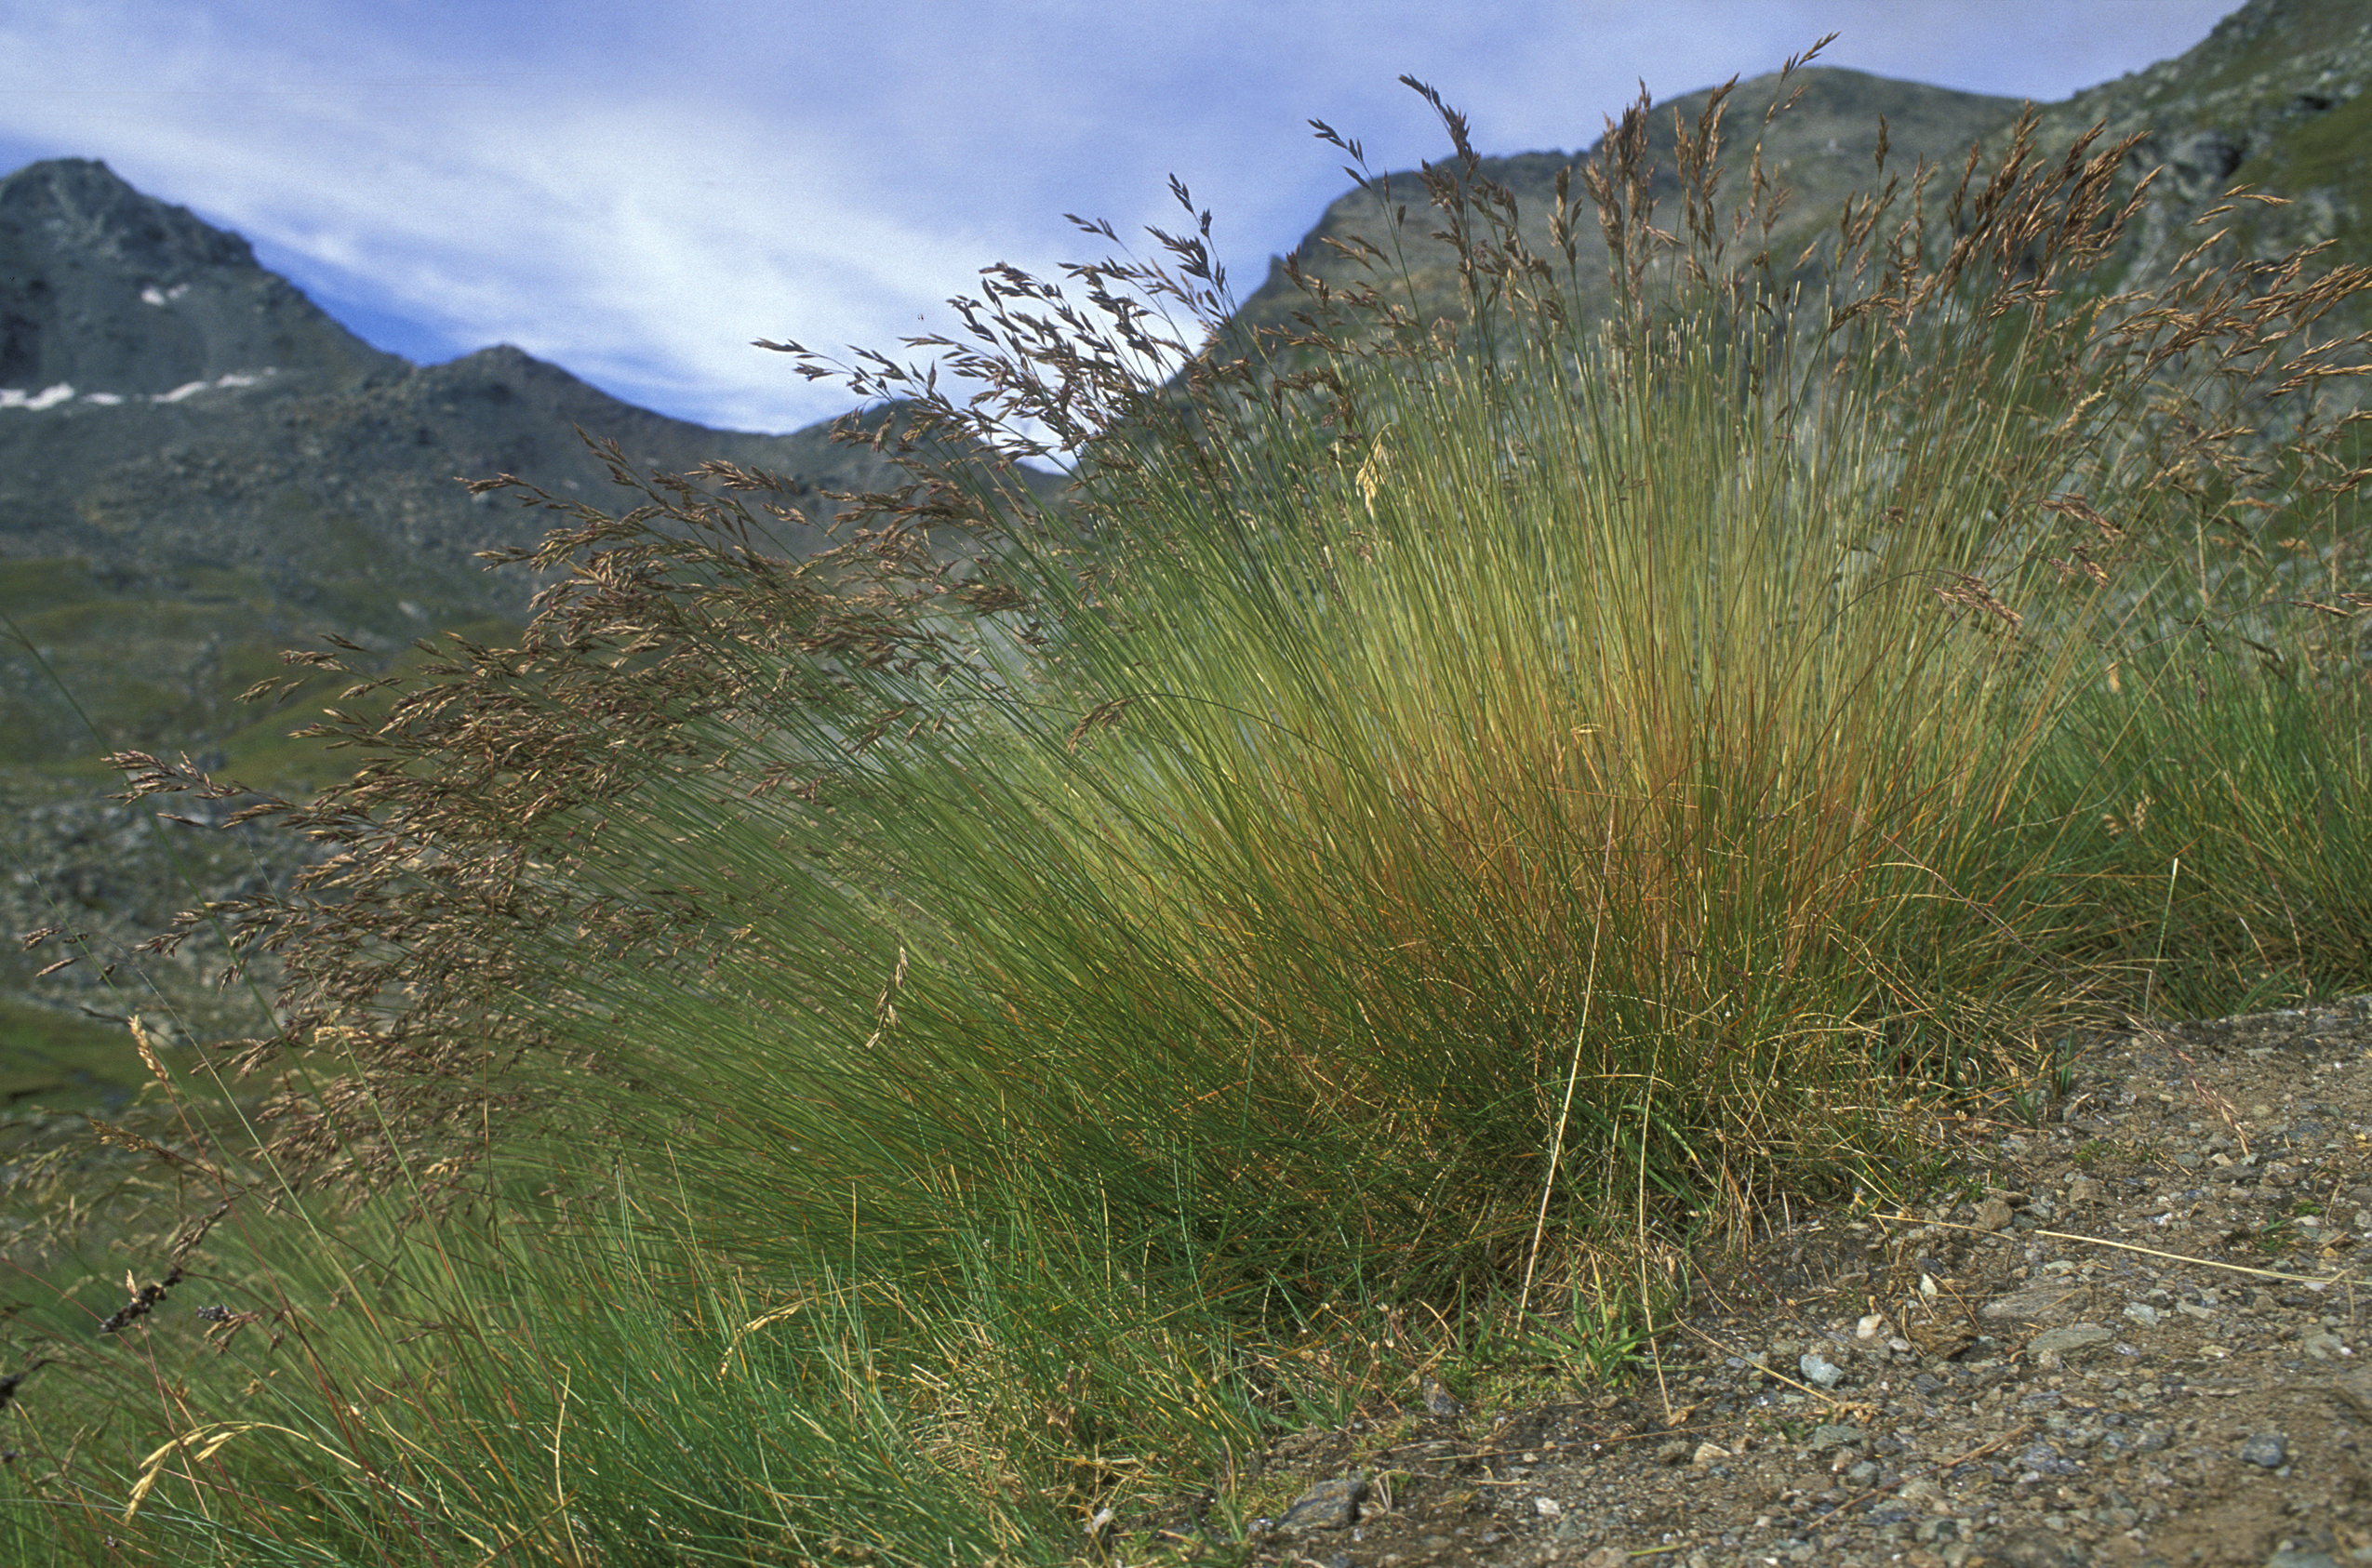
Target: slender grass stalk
1565, 1105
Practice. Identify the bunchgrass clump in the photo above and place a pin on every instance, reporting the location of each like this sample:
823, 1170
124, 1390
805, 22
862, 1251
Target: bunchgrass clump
928, 1052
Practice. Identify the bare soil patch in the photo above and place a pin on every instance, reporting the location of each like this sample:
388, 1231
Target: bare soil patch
2132, 1334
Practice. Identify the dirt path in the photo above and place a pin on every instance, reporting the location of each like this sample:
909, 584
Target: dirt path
2137, 1336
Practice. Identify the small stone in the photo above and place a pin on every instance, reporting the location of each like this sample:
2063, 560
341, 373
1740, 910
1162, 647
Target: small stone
1707, 1453
2321, 1344
1547, 1508
2084, 1189
1330, 1504
2069, 1340
1440, 1401
2044, 1459
1672, 1454
2268, 1451
2036, 1302
2029, 1548
2352, 1393
1993, 1214
1816, 1369
2142, 1312
1828, 1437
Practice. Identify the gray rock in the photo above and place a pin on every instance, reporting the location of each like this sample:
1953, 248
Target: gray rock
2067, 1340
2352, 1394
1330, 1504
1817, 1369
2032, 1548
1440, 1401
2044, 1459
2266, 1450
2037, 1301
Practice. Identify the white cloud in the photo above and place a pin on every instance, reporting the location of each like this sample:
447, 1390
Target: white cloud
637, 192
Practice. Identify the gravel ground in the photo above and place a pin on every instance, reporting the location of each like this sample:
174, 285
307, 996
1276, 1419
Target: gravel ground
2136, 1334
80, 864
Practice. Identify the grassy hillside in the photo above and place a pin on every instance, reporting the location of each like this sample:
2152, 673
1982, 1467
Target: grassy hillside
937, 1055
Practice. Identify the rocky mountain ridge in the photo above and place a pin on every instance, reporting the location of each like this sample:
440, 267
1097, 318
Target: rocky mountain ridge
108, 291
2274, 98
198, 467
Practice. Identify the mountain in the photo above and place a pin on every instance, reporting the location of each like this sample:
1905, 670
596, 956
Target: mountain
2273, 96
103, 289
1822, 149
199, 468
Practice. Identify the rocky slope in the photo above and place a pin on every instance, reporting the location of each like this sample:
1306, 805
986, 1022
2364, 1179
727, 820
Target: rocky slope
198, 469
1822, 149
2273, 97
2131, 1332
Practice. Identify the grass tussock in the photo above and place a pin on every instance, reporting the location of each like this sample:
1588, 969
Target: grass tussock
928, 1052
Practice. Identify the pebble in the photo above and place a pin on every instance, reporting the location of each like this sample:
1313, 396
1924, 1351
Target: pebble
1330, 1504
2073, 1337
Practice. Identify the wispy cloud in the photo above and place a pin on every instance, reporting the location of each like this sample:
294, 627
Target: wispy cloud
635, 192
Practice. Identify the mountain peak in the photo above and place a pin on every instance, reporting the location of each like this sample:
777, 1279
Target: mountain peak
104, 291
80, 206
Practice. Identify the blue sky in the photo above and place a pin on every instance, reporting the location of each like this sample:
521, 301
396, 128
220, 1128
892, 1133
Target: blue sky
635, 191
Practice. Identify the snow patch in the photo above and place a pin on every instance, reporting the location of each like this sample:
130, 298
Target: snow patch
152, 294
47, 397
